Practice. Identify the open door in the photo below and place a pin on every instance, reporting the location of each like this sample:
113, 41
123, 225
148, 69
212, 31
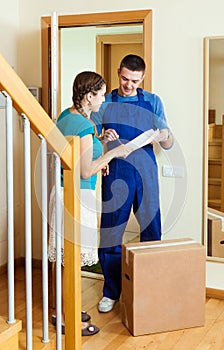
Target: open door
110, 49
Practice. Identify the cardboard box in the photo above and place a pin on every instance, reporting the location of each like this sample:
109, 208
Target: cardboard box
163, 286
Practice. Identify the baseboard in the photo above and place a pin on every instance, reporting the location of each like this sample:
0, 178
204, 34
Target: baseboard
96, 276
3, 269
36, 264
214, 293
17, 262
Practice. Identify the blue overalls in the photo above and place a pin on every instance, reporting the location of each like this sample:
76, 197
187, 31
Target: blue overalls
132, 182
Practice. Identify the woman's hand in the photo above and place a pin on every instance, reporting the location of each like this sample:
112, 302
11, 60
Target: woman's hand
105, 170
121, 151
110, 135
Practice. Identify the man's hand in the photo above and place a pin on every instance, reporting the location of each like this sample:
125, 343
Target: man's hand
161, 136
165, 138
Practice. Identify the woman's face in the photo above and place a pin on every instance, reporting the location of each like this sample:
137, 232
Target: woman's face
98, 99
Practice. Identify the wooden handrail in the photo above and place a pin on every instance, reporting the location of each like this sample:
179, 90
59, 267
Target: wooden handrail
25, 102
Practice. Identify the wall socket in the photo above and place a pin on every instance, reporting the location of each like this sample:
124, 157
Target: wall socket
173, 171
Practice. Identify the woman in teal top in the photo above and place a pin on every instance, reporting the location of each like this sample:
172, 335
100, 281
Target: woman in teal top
88, 94
81, 126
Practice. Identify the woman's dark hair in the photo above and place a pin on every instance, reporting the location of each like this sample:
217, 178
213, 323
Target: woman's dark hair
133, 63
84, 83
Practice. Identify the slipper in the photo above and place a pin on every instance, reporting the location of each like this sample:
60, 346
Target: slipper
85, 317
62, 328
90, 330
53, 321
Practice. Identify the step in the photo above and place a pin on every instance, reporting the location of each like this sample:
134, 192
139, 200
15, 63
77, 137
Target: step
214, 134
214, 181
214, 161
37, 343
215, 141
9, 334
214, 203
215, 149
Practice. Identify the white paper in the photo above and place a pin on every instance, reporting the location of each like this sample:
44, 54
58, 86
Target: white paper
144, 139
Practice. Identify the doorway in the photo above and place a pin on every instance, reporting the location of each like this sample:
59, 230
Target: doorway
127, 18
114, 19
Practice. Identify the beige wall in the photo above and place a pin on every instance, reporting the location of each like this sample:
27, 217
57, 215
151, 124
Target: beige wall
178, 31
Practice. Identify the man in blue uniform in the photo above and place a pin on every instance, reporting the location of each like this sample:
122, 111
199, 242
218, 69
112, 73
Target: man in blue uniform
132, 183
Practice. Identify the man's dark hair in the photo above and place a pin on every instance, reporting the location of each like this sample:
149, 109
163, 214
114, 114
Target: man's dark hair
133, 63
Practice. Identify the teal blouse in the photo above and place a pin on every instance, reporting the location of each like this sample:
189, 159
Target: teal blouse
77, 125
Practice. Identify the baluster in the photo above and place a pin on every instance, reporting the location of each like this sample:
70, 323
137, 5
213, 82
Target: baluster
58, 219
10, 207
44, 238
28, 242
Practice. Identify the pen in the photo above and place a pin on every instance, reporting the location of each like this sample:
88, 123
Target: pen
119, 141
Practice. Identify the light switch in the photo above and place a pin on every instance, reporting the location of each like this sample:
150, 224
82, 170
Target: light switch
173, 171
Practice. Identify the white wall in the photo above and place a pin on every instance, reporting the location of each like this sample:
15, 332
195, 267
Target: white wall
178, 31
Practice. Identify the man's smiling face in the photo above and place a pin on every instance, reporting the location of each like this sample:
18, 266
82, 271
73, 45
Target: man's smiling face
129, 81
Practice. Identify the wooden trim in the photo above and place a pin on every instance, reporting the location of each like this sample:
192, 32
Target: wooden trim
103, 18
205, 151
107, 18
120, 38
222, 171
147, 50
209, 117
214, 293
59, 75
45, 37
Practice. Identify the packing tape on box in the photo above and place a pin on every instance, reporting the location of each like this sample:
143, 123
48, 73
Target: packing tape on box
159, 245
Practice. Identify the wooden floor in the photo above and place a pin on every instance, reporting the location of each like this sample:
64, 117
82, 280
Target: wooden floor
113, 334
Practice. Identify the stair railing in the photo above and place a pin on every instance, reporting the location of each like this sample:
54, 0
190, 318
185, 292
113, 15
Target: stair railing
36, 119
